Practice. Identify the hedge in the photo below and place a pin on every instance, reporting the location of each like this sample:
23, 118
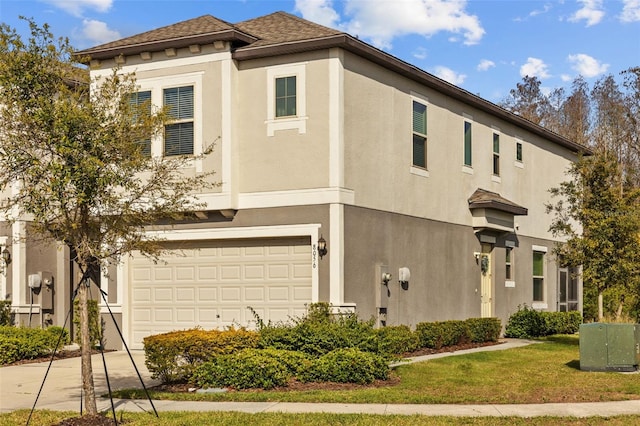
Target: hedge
436, 335
18, 343
347, 365
528, 323
172, 356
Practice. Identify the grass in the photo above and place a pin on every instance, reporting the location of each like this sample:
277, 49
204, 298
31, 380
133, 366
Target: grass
44, 417
538, 373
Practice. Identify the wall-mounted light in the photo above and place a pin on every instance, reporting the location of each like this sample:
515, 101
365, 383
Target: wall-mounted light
6, 256
322, 247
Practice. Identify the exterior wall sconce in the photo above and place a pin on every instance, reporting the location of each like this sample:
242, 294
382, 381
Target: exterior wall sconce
6, 256
322, 247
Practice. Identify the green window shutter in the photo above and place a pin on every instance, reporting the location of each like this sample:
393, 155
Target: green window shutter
419, 118
538, 264
518, 151
467, 144
419, 151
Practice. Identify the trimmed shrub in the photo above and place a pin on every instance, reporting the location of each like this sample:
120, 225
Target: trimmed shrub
483, 329
10, 349
529, 323
17, 343
249, 368
6, 316
348, 365
562, 322
526, 323
172, 356
396, 340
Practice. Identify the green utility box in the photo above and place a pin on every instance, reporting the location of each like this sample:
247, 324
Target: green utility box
609, 347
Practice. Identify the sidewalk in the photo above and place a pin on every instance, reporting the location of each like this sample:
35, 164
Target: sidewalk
19, 386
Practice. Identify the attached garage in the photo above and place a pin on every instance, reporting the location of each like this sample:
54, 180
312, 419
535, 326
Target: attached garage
212, 283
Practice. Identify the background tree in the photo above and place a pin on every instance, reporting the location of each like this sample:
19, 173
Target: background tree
607, 242
73, 162
606, 119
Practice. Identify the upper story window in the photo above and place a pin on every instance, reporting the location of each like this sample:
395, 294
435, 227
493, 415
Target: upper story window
519, 152
286, 96
178, 135
467, 144
138, 101
496, 154
419, 135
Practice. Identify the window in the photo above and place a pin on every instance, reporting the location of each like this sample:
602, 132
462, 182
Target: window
496, 154
286, 96
519, 151
467, 144
419, 135
138, 101
508, 270
538, 276
178, 135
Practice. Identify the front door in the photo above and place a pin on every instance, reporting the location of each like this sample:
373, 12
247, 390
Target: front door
486, 283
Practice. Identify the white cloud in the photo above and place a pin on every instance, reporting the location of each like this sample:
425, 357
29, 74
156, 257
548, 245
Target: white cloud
380, 22
76, 7
98, 32
535, 68
449, 75
587, 66
420, 53
630, 11
566, 78
485, 64
319, 11
591, 12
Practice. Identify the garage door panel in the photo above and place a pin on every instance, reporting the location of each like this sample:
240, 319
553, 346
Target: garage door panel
302, 294
163, 294
213, 285
207, 294
186, 294
163, 315
254, 272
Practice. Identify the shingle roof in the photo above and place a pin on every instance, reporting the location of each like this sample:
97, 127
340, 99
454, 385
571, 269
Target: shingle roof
483, 199
281, 33
281, 27
203, 28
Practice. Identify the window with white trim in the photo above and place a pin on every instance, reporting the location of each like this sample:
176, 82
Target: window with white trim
538, 276
179, 134
286, 96
419, 141
508, 264
519, 152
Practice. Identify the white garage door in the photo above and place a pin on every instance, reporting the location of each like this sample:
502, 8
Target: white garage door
211, 284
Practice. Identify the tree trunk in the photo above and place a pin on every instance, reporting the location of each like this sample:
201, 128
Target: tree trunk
600, 306
88, 388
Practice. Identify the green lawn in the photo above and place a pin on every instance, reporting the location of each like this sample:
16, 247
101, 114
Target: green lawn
46, 418
538, 373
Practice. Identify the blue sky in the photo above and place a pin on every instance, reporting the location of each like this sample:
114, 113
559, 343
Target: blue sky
483, 46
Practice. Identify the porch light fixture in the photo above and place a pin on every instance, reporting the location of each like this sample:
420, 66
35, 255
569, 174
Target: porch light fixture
322, 247
6, 256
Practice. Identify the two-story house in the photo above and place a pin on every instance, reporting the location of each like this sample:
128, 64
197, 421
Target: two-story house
347, 176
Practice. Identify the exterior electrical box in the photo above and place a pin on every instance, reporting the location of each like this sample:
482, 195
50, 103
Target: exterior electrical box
609, 347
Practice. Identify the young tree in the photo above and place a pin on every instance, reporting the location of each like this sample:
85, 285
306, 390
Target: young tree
601, 225
73, 162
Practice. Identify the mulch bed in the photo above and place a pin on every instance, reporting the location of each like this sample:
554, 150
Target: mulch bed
89, 420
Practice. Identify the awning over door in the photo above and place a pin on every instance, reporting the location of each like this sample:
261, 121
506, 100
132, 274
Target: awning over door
493, 212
